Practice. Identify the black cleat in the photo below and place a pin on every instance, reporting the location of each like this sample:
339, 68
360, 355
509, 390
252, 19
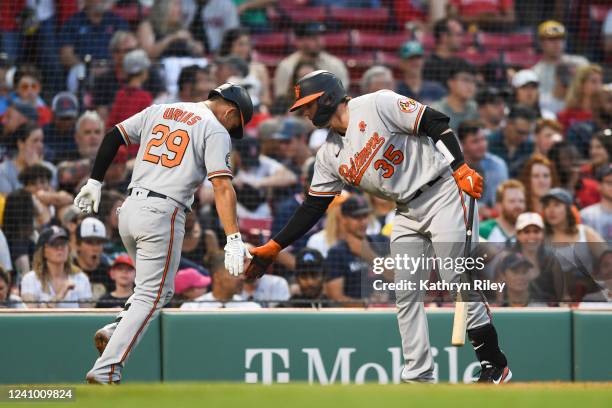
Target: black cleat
495, 375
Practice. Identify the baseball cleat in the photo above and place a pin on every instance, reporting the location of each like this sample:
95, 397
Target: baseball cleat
495, 375
101, 339
91, 379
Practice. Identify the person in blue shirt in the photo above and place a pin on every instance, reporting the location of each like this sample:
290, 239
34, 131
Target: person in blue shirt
348, 263
89, 32
412, 83
513, 142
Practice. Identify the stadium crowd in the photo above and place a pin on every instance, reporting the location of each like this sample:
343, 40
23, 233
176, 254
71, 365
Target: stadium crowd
533, 118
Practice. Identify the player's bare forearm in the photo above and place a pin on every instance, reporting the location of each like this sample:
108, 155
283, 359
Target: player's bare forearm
225, 201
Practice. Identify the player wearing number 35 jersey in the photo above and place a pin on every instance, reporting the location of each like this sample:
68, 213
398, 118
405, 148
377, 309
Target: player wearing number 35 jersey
180, 145
398, 149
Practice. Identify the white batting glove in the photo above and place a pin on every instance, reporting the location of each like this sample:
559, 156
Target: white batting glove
235, 251
88, 198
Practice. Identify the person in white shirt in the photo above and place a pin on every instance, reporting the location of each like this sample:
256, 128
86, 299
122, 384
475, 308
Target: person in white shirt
54, 282
269, 290
225, 293
7, 299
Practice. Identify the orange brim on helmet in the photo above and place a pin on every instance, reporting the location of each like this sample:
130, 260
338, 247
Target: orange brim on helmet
305, 100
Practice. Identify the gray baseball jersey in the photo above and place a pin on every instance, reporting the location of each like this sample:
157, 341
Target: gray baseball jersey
381, 153
180, 144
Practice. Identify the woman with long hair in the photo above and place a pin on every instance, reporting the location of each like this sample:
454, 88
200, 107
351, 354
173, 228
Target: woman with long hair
53, 280
236, 41
579, 99
600, 154
164, 33
19, 213
538, 176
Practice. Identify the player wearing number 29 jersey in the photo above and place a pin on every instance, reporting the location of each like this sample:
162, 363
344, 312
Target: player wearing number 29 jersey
400, 150
181, 144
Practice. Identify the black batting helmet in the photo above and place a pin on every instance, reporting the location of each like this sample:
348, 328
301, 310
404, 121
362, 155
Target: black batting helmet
325, 88
239, 97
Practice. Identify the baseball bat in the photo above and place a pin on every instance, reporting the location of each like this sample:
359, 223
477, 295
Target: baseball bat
461, 305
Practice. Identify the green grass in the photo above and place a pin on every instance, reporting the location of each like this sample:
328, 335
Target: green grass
179, 395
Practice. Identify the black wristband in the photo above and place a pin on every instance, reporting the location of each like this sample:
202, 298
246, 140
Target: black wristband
435, 125
106, 153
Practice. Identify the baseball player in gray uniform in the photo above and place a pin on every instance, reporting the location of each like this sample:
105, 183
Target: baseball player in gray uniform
398, 149
180, 145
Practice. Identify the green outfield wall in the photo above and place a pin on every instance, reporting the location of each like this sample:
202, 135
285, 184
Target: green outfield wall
316, 347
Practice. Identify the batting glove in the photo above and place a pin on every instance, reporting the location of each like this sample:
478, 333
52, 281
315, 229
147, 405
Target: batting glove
235, 251
88, 198
469, 180
263, 257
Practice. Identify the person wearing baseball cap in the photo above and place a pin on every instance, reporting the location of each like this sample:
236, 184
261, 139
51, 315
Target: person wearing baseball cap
59, 134
551, 35
491, 108
310, 277
412, 84
190, 284
525, 84
123, 273
90, 240
517, 273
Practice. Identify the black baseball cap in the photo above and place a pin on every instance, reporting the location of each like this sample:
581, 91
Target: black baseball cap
50, 234
559, 194
309, 29
514, 261
355, 206
489, 94
308, 260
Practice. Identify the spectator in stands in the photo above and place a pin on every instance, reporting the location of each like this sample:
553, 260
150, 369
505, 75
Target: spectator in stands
525, 84
491, 109
68, 218
552, 42
538, 176
568, 162
576, 245
17, 114
194, 83
5, 253
268, 291
27, 85
208, 20
256, 174
607, 34
88, 32
516, 271
493, 15
59, 134
309, 45
230, 66
555, 101
412, 83
547, 285
28, 139
19, 212
90, 258
189, 284
512, 142
37, 180
8, 299
376, 78
107, 83
599, 216
580, 133
310, 278
383, 212
290, 144
448, 33
236, 41
509, 203
600, 154
475, 152
5, 88
603, 278
165, 33
348, 261
282, 102
110, 203
459, 104
547, 133
194, 245
225, 293
332, 232
116, 177
123, 273
131, 98
54, 281
579, 99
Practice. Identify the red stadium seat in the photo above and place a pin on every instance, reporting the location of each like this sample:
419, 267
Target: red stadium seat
338, 42
271, 43
374, 18
365, 40
523, 59
503, 42
428, 41
306, 14
478, 58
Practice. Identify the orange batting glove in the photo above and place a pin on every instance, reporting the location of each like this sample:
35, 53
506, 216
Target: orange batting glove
469, 180
263, 256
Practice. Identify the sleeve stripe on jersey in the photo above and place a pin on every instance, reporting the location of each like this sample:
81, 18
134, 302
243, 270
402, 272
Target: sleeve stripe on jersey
418, 120
219, 173
126, 138
323, 193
